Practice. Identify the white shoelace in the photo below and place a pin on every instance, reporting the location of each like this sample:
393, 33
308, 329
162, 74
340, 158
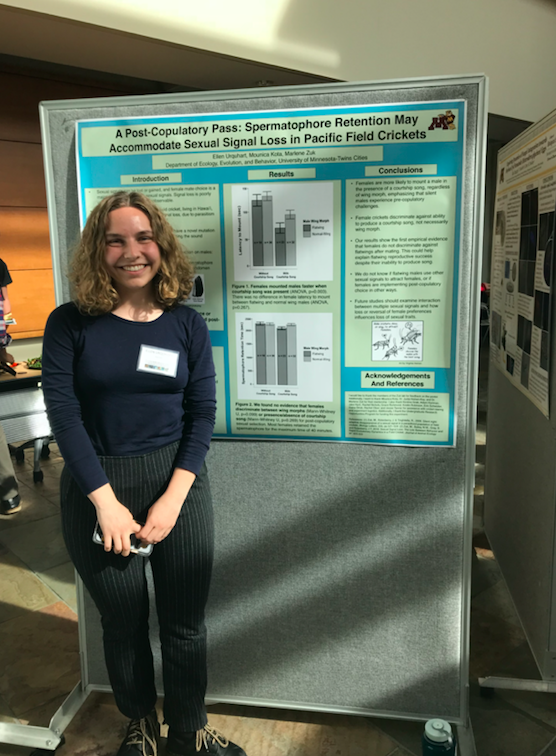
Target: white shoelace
210, 732
138, 735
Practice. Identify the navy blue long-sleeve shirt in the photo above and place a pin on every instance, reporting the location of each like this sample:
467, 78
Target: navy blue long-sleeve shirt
101, 401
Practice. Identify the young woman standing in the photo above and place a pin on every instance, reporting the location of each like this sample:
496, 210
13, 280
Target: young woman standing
129, 386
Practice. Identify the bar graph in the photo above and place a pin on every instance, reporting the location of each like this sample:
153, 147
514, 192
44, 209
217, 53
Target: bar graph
273, 243
283, 356
276, 354
283, 231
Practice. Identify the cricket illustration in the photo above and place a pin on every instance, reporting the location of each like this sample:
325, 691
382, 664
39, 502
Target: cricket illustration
410, 337
397, 340
393, 351
384, 344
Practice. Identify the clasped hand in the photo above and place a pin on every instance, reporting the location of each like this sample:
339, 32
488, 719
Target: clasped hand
160, 521
117, 525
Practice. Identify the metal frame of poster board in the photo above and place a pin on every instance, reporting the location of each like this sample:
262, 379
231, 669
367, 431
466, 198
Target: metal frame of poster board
520, 482
342, 572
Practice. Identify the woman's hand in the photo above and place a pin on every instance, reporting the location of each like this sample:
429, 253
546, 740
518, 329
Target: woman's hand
165, 511
160, 520
115, 520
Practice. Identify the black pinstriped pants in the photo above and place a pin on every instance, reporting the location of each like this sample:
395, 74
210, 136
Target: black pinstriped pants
181, 567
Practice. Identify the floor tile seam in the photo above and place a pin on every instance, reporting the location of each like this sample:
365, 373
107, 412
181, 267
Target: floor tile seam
28, 469
27, 479
39, 489
547, 746
46, 569
24, 610
39, 610
52, 590
28, 464
6, 706
55, 698
533, 656
391, 737
53, 499
28, 486
10, 552
54, 703
7, 527
47, 470
22, 563
493, 581
10, 619
498, 617
28, 482
398, 750
29, 502
532, 718
28, 457
33, 570
26, 525
509, 706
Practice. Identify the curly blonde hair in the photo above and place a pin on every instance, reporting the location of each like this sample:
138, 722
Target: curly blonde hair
93, 290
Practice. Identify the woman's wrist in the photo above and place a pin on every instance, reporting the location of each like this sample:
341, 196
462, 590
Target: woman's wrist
178, 487
103, 498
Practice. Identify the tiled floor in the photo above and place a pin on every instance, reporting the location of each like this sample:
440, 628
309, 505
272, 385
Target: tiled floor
39, 655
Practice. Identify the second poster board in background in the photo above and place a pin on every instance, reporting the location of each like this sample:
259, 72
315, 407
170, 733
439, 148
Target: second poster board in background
523, 260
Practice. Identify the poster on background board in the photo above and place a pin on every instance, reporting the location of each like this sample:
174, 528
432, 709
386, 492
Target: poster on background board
522, 261
326, 243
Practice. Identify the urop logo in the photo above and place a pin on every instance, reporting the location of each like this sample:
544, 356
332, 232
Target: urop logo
443, 121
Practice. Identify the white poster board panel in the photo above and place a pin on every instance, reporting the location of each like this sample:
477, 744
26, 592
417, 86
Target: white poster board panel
342, 572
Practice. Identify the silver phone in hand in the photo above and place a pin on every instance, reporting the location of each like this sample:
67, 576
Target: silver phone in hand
137, 547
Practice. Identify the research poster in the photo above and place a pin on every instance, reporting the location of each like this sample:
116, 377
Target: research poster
522, 261
326, 244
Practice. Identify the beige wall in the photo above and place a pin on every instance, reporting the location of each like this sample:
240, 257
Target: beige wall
512, 41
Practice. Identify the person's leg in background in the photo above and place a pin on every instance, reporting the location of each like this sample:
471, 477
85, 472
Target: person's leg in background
10, 501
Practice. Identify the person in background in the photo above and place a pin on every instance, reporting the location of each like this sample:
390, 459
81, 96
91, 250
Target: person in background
129, 386
5, 313
5, 281
10, 501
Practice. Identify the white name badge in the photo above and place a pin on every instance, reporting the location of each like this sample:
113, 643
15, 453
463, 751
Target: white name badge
158, 361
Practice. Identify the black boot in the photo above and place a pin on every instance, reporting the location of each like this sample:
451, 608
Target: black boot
142, 737
200, 743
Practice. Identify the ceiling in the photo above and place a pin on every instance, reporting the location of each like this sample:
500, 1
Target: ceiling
137, 63
65, 42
